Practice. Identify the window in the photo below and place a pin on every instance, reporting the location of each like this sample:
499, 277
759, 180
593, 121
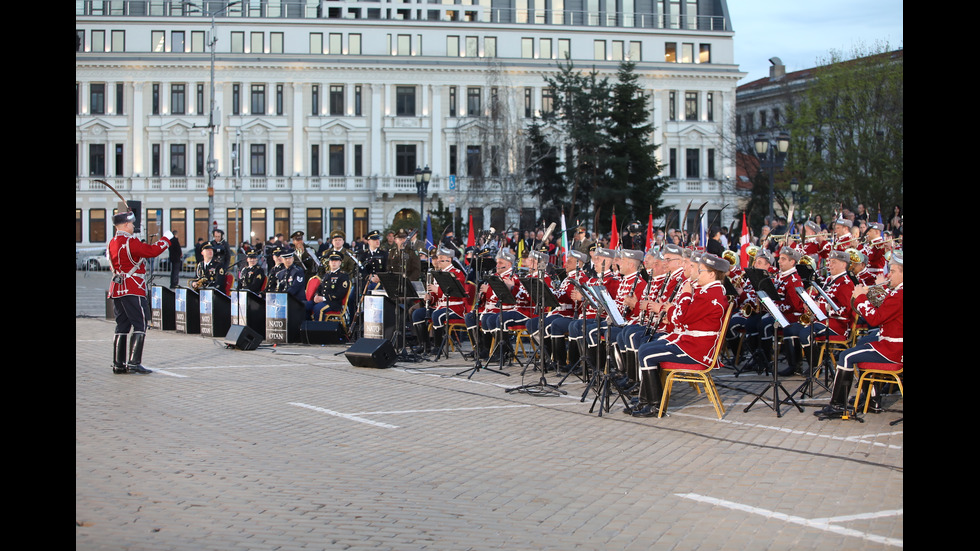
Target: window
156, 41
453, 160
337, 99
338, 219
762, 119
280, 221
711, 163
315, 160
691, 14
490, 46
693, 163
672, 106
704, 55
280, 99
316, 43
557, 12
474, 161
314, 221
79, 47
178, 99
256, 43
155, 160
404, 44
178, 224
258, 99
472, 48
199, 159
452, 46
335, 44
599, 50
527, 48
177, 42
197, 41
275, 43
199, 98
528, 102
690, 106
354, 44
687, 52
238, 42
336, 160
97, 226
280, 159
236, 99
670, 52
120, 160
547, 100
453, 101
405, 102
361, 220
545, 48
119, 41
710, 107
257, 159
358, 101
405, 160
673, 163
636, 50
473, 102
97, 98
178, 159
120, 98
315, 99
564, 48
618, 50
96, 159
358, 160
155, 99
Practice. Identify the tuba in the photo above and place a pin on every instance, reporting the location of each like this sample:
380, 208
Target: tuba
751, 251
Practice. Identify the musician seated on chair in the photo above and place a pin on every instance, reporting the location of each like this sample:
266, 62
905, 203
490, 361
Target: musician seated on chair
839, 287
881, 306
439, 307
292, 278
252, 277
332, 291
697, 316
210, 272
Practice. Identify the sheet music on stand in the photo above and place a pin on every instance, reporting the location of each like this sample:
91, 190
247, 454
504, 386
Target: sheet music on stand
449, 284
811, 305
774, 385
586, 294
501, 289
830, 301
773, 310
393, 283
538, 290
609, 305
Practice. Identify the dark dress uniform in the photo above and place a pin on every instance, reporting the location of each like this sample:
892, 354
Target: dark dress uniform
333, 287
211, 274
252, 278
374, 260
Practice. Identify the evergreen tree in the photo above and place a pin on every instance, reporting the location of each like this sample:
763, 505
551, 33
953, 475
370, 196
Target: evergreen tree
545, 179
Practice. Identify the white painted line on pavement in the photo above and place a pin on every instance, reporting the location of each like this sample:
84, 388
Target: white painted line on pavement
344, 415
169, 374
437, 410
821, 524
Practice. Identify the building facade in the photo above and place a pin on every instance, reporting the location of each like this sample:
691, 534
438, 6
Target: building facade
321, 112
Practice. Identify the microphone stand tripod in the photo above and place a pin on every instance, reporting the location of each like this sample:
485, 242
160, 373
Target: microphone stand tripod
543, 298
394, 281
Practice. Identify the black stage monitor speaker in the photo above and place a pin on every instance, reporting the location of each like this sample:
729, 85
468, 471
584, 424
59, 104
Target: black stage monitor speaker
321, 332
376, 353
242, 337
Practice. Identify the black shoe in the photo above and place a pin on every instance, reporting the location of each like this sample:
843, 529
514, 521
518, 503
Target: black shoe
829, 412
119, 370
138, 369
651, 410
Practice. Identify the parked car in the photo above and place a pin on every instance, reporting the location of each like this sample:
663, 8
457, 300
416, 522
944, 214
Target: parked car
187, 263
93, 261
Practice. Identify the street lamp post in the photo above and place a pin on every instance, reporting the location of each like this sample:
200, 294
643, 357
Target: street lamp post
212, 171
422, 177
772, 151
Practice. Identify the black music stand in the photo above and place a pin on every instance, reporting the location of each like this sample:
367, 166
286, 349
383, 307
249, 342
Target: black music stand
778, 321
806, 389
357, 320
398, 288
543, 298
583, 357
504, 296
762, 283
613, 319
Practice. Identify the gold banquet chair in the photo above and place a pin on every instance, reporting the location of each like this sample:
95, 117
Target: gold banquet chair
341, 316
697, 374
877, 373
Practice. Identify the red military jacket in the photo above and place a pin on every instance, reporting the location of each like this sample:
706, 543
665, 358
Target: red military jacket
890, 318
608, 279
876, 256
525, 302
630, 286
839, 288
127, 254
489, 297
674, 281
441, 300
790, 305
696, 318
566, 306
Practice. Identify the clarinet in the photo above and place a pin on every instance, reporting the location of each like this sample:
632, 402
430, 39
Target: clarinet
653, 326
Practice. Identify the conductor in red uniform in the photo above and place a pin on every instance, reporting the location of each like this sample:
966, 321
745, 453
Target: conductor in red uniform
128, 255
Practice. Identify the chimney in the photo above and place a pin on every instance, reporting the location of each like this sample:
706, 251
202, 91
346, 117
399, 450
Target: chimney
778, 70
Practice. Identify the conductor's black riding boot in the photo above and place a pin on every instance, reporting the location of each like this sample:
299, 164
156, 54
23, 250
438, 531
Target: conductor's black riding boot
119, 354
838, 397
136, 355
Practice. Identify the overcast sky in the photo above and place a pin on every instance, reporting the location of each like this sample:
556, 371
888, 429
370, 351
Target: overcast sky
801, 32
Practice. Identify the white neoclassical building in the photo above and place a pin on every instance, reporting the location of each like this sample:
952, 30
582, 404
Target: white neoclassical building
323, 110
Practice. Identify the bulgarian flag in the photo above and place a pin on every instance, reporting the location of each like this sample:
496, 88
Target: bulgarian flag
471, 238
614, 234
743, 244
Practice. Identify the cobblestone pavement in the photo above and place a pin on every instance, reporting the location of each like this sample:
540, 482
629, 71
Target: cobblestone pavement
293, 447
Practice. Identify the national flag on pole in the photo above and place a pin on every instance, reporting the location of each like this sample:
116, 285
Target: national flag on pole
703, 231
743, 244
650, 230
614, 234
471, 238
428, 236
